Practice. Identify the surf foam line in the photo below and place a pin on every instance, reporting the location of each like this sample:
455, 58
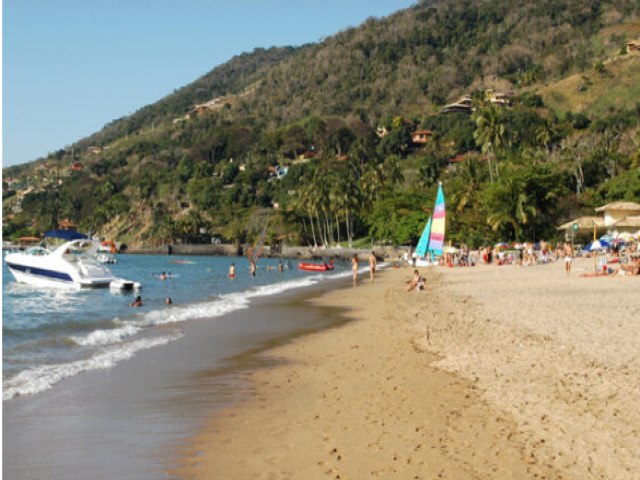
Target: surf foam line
226, 303
106, 337
116, 348
43, 377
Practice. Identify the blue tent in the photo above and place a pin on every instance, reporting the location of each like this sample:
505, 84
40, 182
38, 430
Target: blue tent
66, 235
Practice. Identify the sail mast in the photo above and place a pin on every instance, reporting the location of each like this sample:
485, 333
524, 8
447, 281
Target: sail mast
255, 251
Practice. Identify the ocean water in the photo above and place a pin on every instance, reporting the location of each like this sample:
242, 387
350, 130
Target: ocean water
53, 334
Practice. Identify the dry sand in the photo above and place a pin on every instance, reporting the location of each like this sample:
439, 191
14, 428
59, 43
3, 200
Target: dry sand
493, 373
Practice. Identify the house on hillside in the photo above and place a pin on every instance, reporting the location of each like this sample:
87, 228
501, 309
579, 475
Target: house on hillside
421, 136
65, 224
633, 46
206, 106
76, 167
382, 132
453, 162
464, 104
500, 99
307, 154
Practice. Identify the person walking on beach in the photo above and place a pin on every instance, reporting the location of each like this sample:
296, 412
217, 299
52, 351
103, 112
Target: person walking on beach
568, 258
372, 265
354, 269
232, 270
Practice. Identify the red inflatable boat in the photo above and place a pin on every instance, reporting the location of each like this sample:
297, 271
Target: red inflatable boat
316, 267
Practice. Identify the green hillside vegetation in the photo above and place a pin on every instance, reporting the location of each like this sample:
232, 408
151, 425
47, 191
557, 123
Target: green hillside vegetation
339, 116
610, 85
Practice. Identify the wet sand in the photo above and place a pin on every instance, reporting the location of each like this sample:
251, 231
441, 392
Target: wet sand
493, 373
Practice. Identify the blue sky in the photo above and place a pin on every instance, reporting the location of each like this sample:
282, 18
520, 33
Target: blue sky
71, 66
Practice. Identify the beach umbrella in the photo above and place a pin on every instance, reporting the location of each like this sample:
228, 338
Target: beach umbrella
597, 245
607, 238
594, 247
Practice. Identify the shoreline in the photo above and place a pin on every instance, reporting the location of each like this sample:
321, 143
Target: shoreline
291, 252
485, 376
154, 399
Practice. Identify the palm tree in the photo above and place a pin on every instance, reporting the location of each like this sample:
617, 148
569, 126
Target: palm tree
545, 133
371, 183
321, 188
392, 170
509, 206
490, 134
471, 177
304, 205
345, 196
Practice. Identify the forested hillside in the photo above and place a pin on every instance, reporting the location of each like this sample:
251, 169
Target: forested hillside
320, 138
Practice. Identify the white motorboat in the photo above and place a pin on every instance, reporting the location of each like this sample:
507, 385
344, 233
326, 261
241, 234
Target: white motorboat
69, 265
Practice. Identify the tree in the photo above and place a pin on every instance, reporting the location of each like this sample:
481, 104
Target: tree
508, 206
490, 134
396, 217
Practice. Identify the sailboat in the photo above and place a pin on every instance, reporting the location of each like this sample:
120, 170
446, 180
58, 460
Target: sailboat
432, 238
254, 252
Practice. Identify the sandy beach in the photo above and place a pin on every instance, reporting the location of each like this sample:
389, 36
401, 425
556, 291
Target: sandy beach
493, 373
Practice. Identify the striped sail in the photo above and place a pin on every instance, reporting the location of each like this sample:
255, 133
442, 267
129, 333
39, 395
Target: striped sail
254, 252
436, 238
423, 244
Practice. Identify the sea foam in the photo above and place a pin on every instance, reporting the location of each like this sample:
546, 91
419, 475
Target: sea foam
43, 377
116, 345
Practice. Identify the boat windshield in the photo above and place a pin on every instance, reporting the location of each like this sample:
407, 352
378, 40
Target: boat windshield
37, 251
81, 251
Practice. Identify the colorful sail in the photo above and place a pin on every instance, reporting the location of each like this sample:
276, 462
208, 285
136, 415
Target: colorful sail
423, 244
254, 252
436, 237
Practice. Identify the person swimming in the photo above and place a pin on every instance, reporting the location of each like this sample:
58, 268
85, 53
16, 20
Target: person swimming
137, 302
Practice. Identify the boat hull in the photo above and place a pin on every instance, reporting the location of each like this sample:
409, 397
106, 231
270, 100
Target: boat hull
52, 279
37, 279
314, 267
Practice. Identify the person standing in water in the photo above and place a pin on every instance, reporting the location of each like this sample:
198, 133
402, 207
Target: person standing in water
253, 268
372, 265
354, 269
232, 270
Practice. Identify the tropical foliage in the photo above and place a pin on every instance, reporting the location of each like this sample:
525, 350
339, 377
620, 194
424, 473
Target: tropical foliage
319, 138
